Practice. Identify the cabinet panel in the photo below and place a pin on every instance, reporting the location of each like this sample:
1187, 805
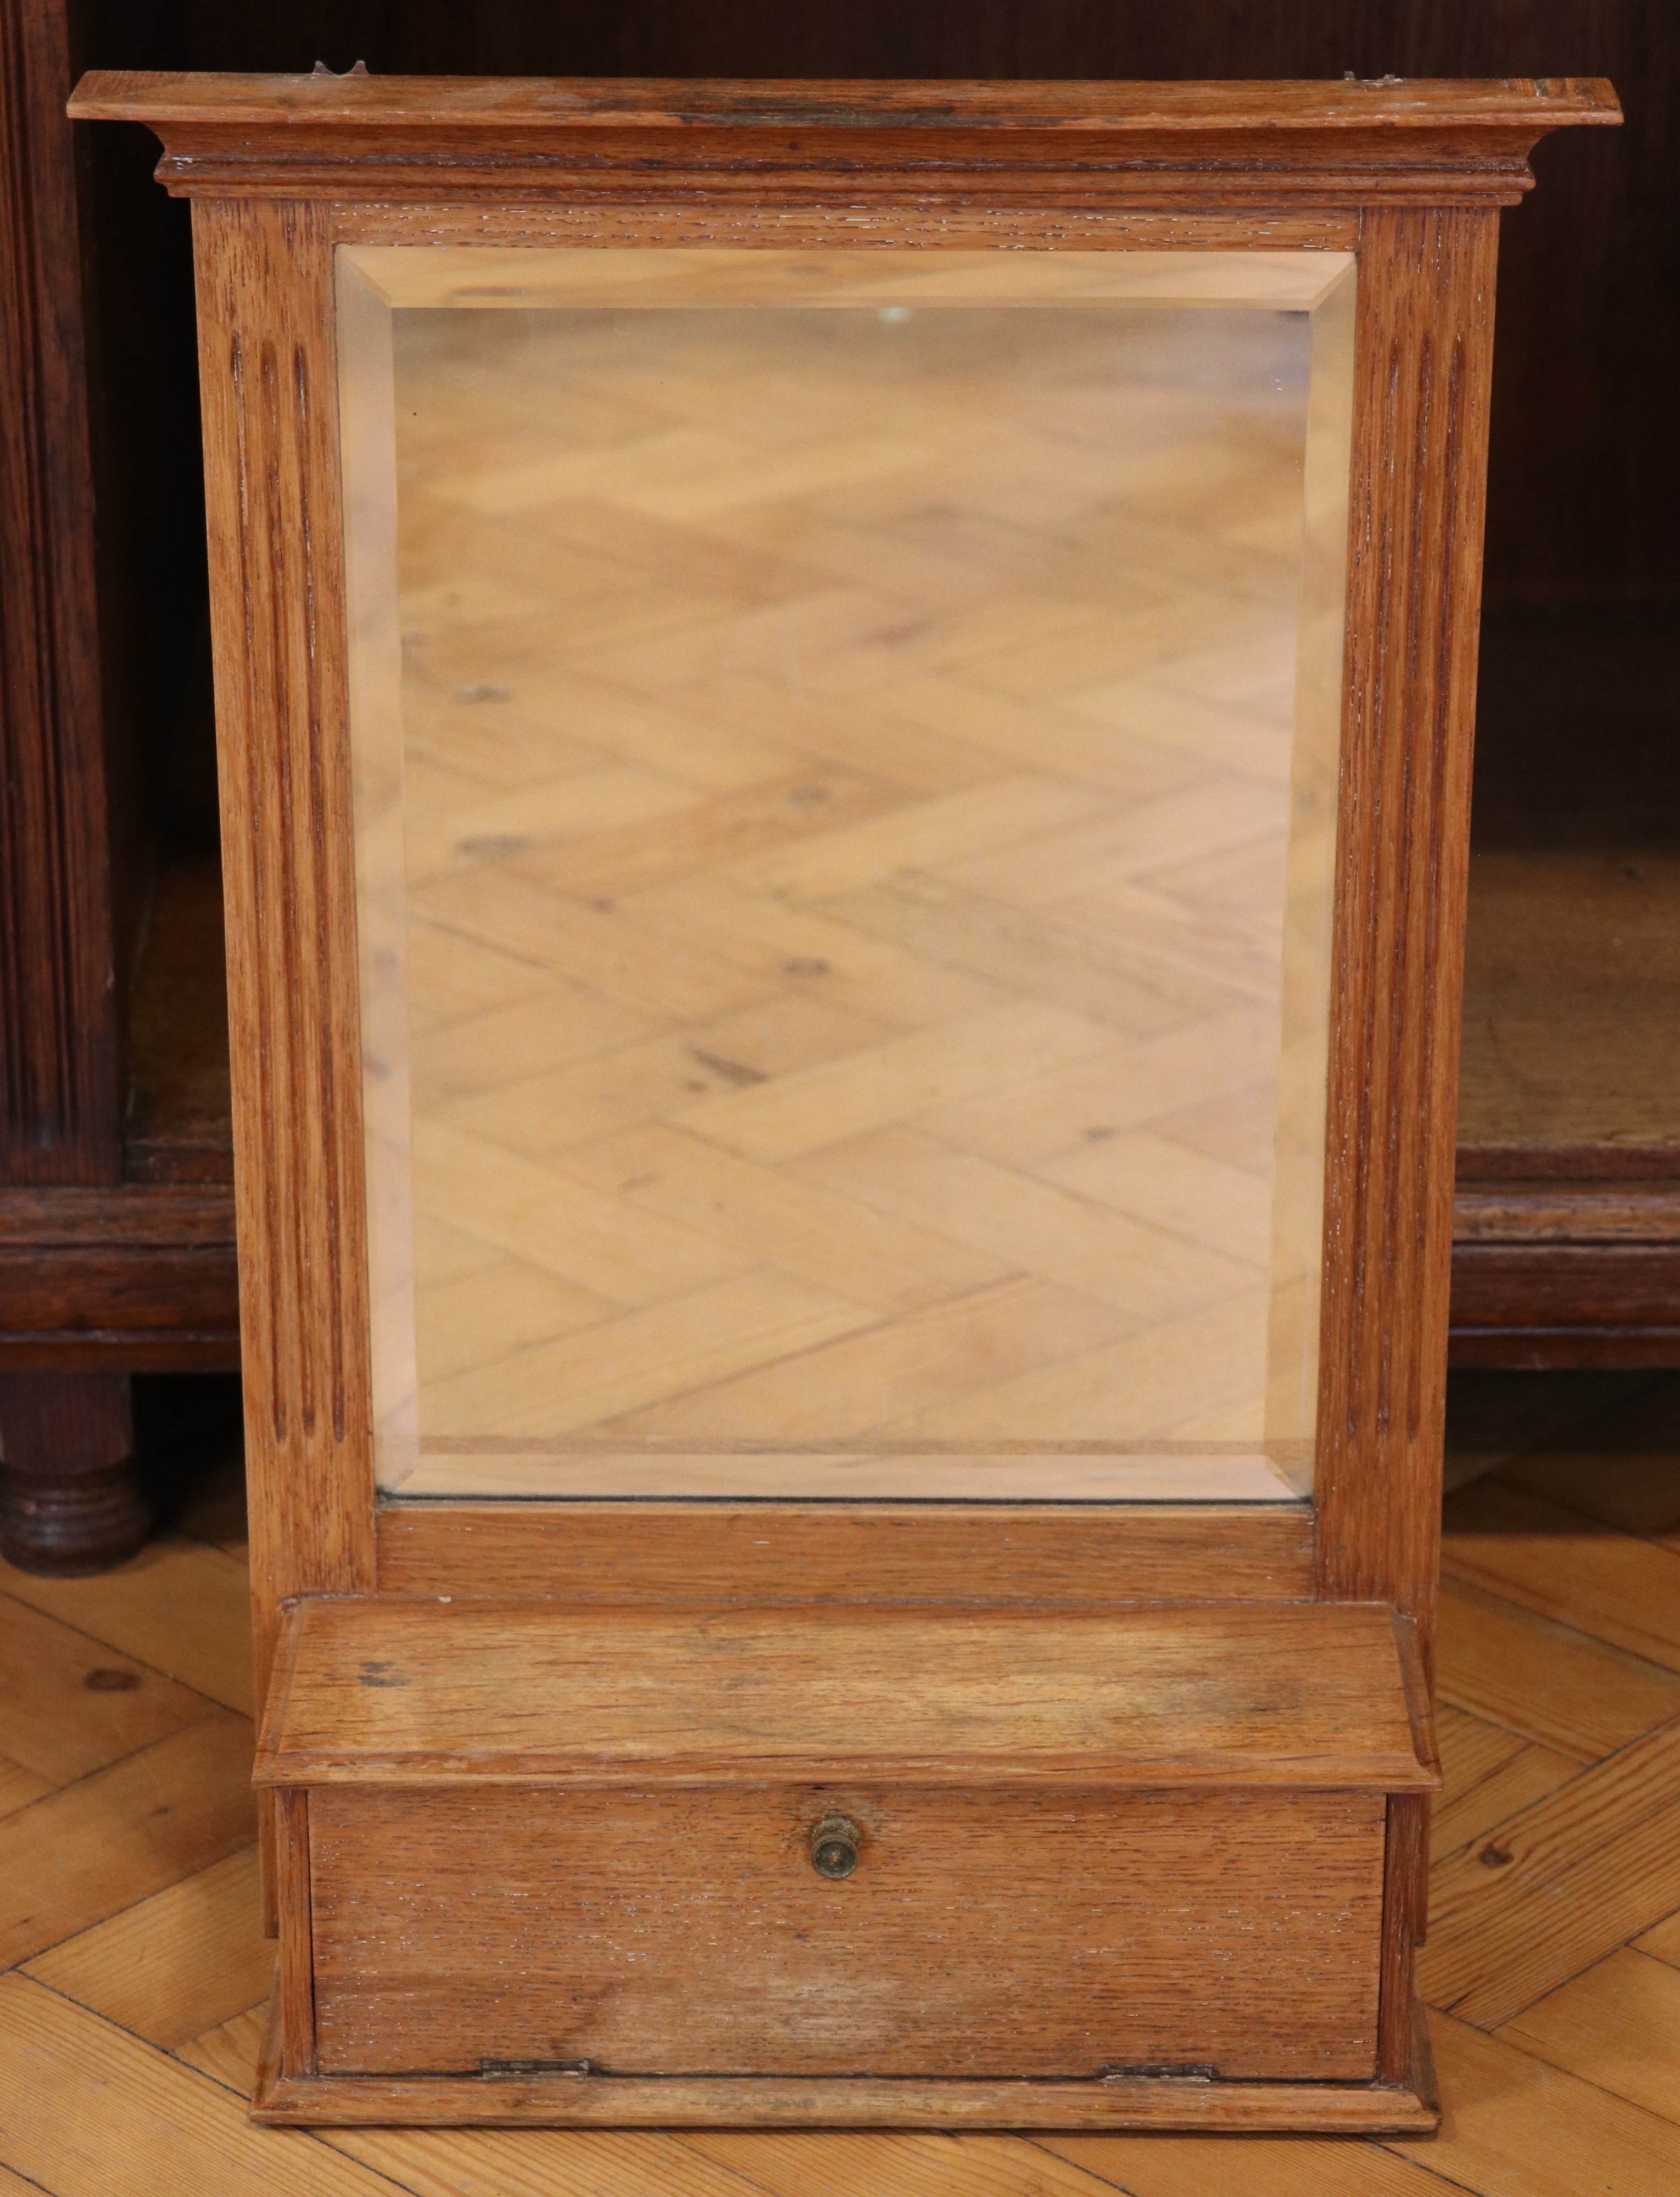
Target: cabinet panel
690, 1932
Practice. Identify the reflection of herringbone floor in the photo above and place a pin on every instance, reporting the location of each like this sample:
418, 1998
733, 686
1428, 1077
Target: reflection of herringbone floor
130, 2009
845, 802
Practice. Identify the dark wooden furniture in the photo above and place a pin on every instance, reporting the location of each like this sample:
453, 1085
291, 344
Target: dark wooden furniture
116, 1240
411, 1754
1567, 1225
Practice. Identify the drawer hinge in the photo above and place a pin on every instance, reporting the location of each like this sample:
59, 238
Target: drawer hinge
536, 2067
1165, 2071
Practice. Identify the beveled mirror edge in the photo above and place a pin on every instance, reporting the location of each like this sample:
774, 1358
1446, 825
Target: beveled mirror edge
1276, 1466
408, 276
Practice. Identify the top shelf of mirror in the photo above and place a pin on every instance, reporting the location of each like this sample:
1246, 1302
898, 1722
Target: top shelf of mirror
357, 137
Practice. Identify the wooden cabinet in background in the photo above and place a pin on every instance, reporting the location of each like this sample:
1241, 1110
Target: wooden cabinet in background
116, 1217
1567, 1232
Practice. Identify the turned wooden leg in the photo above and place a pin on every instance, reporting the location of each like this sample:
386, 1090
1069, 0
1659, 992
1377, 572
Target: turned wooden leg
69, 1500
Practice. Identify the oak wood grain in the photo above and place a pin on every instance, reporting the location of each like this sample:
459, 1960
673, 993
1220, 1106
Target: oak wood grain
1496, 2097
1423, 354
699, 218
70, 1706
1558, 1885
1404, 1891
1200, 2166
170, 1966
1297, 1694
470, 1931
833, 1552
1616, 2026
747, 105
918, 2164
1574, 2085
1207, 144
1561, 1688
1616, 1586
178, 1606
1415, 1680
1149, 2102
64, 2071
1406, 1914
266, 349
108, 1840
294, 1982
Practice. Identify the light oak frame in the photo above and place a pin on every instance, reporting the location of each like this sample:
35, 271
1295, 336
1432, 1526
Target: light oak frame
1410, 178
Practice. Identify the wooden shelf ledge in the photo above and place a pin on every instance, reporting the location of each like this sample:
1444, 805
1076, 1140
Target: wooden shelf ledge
1311, 1696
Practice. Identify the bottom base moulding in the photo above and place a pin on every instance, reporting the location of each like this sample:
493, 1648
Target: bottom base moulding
554, 2100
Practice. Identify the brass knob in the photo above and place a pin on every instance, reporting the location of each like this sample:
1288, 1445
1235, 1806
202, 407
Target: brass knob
834, 1847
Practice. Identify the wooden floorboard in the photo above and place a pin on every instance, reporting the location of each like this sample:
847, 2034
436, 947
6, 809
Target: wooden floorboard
133, 2010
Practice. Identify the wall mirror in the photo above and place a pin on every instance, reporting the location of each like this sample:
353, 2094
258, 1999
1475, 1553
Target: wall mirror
843, 715
845, 759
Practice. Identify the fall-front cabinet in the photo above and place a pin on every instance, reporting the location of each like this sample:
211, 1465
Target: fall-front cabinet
843, 715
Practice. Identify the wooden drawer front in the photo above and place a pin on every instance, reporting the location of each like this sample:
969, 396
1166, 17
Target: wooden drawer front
996, 1933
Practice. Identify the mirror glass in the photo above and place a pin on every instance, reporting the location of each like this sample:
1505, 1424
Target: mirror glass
845, 752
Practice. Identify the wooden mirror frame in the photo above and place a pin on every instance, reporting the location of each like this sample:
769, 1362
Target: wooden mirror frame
1410, 178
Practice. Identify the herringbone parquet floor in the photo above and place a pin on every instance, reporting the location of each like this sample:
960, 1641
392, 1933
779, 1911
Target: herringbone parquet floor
846, 798
134, 1971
